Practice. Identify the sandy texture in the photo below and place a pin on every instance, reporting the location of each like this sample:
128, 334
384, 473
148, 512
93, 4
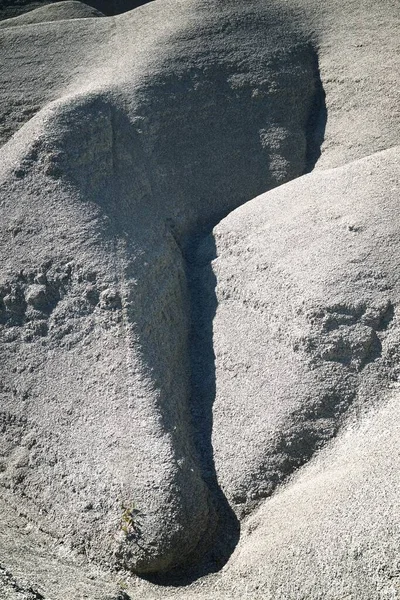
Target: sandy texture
69, 9
124, 213
316, 336
14, 8
313, 316
160, 383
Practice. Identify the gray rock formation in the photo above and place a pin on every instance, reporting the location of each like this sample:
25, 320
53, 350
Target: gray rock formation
10, 9
97, 446
159, 383
314, 319
68, 9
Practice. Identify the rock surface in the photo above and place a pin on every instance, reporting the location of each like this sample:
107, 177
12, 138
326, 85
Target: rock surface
69, 9
304, 324
159, 382
14, 8
97, 427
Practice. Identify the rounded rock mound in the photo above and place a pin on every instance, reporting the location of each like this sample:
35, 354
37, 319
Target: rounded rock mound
61, 11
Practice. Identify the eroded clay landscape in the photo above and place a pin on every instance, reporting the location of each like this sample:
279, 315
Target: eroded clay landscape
199, 300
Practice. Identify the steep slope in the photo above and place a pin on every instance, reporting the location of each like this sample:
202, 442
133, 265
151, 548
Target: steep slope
334, 532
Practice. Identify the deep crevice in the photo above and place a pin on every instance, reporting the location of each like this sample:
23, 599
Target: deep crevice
202, 284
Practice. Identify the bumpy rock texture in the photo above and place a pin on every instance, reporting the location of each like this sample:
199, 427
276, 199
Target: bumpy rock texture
161, 382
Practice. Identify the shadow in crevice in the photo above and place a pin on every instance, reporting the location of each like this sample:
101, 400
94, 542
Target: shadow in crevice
131, 195
316, 124
218, 544
202, 285
199, 252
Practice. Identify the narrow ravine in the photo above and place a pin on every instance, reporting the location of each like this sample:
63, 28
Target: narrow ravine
199, 252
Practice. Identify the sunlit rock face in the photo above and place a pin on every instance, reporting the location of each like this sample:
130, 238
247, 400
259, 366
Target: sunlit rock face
304, 322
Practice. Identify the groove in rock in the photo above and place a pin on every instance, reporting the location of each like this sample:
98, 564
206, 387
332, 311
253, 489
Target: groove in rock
203, 305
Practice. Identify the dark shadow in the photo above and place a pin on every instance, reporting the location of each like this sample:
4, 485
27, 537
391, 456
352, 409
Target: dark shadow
316, 124
222, 541
199, 253
202, 285
115, 7
222, 144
